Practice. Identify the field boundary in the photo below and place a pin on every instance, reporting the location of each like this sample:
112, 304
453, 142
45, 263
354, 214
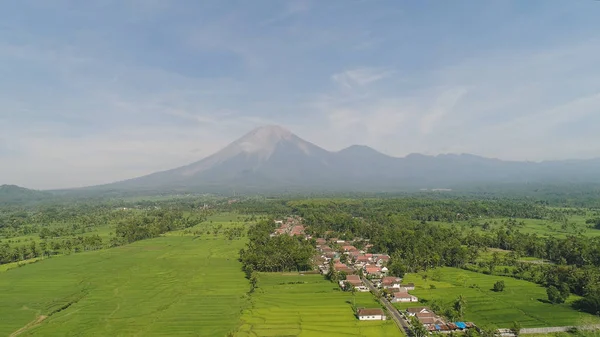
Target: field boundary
558, 329
29, 325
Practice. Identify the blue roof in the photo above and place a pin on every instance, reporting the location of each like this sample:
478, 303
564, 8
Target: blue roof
461, 325
437, 327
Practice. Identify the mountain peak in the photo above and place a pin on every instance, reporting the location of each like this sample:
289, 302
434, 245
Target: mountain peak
273, 132
263, 139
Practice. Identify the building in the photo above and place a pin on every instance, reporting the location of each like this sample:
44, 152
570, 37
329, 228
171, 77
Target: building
340, 267
401, 297
356, 282
362, 259
373, 271
390, 282
419, 311
408, 286
370, 315
381, 259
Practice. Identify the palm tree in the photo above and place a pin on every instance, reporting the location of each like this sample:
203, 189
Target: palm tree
459, 305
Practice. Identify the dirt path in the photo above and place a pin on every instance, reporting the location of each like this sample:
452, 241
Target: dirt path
29, 325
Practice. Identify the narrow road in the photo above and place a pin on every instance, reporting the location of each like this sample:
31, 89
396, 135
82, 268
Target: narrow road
400, 321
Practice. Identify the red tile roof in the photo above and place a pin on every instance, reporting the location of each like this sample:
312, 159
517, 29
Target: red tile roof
373, 270
389, 280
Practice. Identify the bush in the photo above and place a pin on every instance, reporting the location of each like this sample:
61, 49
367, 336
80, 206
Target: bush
554, 295
499, 286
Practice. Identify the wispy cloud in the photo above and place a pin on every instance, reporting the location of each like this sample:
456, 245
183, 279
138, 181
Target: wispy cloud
119, 89
360, 76
442, 106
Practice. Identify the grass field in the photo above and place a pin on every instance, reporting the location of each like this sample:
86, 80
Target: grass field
521, 301
283, 307
165, 286
576, 226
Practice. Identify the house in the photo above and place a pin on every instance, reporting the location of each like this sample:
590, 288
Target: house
356, 282
326, 249
320, 241
381, 259
370, 315
419, 310
349, 249
408, 286
390, 282
340, 267
297, 230
403, 298
372, 270
362, 259
397, 289
427, 320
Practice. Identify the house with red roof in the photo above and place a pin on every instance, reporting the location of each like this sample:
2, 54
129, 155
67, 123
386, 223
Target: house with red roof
402, 297
373, 270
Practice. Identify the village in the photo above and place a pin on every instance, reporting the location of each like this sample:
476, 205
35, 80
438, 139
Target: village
357, 269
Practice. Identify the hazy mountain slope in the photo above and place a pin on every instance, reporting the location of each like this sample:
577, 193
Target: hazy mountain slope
272, 158
10, 194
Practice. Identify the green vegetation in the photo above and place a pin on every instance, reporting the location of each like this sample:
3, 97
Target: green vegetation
308, 305
151, 266
521, 301
170, 285
277, 253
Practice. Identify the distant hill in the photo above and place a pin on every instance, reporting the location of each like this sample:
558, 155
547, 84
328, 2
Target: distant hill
272, 158
12, 194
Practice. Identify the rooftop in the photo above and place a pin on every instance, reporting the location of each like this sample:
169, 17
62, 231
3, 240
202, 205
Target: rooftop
370, 312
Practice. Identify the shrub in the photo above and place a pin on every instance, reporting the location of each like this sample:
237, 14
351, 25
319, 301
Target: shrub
499, 286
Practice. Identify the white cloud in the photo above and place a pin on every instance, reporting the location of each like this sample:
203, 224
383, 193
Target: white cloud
442, 106
360, 76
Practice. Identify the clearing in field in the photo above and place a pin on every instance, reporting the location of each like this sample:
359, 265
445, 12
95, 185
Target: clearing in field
165, 286
308, 305
521, 301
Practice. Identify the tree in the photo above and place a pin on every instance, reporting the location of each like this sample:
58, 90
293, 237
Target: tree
515, 328
499, 286
554, 295
343, 258
460, 305
253, 281
417, 329
565, 291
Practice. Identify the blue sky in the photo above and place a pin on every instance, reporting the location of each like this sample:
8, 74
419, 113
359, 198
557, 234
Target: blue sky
98, 91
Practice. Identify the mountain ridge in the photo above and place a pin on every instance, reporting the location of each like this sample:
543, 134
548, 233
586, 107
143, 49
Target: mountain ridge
273, 158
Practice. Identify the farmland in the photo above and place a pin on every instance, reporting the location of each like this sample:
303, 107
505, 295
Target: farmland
162, 286
573, 225
521, 301
308, 305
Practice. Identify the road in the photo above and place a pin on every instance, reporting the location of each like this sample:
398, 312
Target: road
396, 316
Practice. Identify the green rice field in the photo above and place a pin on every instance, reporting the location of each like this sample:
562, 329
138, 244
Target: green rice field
575, 226
308, 305
521, 301
173, 285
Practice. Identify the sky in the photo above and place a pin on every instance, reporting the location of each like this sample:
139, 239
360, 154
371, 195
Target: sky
98, 91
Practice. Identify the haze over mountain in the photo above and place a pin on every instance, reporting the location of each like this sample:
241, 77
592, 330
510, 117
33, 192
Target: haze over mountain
272, 158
